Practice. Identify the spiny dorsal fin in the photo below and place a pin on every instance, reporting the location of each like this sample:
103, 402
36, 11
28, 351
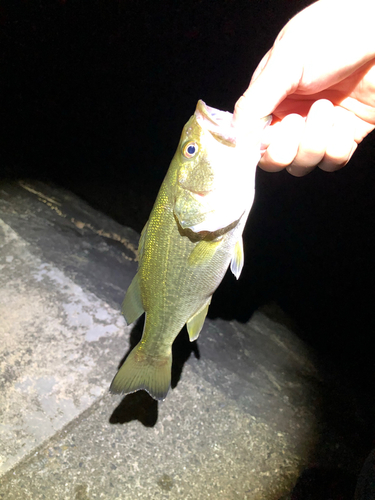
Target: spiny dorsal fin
132, 306
195, 323
237, 262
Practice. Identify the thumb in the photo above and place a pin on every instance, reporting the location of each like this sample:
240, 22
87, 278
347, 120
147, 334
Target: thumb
276, 76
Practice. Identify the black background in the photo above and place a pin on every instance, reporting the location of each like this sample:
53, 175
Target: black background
94, 95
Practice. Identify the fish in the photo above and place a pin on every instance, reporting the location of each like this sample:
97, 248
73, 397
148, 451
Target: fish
193, 234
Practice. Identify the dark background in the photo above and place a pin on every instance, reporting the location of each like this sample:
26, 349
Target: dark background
93, 97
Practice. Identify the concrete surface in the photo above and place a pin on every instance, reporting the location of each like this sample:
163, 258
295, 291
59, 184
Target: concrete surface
244, 418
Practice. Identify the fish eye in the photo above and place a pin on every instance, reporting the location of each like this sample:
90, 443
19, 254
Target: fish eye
190, 149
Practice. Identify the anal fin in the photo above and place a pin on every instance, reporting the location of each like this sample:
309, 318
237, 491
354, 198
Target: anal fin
132, 307
237, 261
195, 323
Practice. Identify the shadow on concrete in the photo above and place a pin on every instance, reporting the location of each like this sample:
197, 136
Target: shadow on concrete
182, 349
137, 406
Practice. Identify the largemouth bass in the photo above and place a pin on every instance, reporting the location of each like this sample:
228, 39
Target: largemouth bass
193, 234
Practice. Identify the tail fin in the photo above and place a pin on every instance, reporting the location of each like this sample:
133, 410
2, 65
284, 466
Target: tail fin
143, 371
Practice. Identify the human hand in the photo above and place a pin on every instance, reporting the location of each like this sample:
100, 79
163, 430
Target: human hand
318, 81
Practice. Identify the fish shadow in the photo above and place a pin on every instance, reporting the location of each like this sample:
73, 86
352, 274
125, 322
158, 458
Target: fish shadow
137, 406
181, 351
140, 405
237, 299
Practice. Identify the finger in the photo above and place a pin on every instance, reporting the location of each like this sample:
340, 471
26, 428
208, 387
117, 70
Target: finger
341, 144
284, 142
261, 66
314, 139
276, 77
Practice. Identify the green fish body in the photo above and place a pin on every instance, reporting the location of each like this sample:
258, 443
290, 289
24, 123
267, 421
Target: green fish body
193, 234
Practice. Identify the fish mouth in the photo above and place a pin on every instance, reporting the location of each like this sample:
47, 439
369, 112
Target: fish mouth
217, 122
217, 117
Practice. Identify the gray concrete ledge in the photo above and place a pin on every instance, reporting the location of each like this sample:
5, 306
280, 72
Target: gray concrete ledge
242, 421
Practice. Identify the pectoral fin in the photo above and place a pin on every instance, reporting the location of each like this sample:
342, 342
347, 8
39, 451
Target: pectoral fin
203, 252
195, 323
132, 306
237, 262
